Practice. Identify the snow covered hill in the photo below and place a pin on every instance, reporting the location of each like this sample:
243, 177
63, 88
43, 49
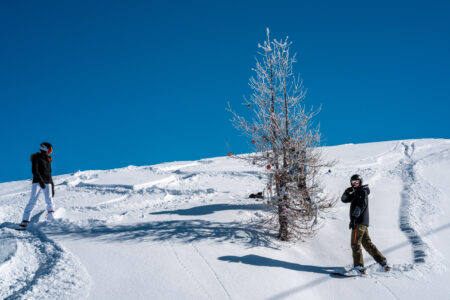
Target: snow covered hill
186, 230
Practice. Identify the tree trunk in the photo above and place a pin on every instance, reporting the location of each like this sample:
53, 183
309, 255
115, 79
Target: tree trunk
282, 211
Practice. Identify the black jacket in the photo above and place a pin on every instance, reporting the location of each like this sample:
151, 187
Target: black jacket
41, 168
359, 207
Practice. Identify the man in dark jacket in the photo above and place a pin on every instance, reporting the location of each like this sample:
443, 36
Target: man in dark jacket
42, 181
358, 196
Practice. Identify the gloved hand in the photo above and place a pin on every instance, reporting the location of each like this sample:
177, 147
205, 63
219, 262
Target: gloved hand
53, 190
352, 224
349, 190
42, 185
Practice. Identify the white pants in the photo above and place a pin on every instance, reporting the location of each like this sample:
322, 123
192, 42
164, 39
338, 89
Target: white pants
35, 191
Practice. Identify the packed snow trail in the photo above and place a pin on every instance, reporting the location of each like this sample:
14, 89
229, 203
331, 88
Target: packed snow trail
409, 193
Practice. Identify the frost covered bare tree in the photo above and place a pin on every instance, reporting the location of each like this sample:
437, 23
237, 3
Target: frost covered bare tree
285, 141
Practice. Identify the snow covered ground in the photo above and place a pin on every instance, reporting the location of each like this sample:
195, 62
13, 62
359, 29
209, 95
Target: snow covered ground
186, 230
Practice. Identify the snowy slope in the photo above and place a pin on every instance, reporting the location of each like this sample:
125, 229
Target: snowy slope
186, 230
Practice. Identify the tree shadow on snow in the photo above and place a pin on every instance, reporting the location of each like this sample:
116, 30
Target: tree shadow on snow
261, 261
210, 209
185, 231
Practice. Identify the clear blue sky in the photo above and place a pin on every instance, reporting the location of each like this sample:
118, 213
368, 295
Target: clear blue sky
117, 83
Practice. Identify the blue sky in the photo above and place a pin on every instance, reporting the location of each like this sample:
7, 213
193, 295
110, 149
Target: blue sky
117, 83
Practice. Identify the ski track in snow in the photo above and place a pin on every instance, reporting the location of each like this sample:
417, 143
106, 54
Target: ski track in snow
187, 271
409, 198
212, 270
38, 268
389, 291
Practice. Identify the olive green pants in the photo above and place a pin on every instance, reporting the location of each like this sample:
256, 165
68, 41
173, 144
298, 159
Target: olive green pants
360, 235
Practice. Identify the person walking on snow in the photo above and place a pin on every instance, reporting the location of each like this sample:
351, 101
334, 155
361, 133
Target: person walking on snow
42, 181
358, 196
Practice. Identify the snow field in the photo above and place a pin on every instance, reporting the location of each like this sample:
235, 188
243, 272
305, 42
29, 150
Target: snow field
188, 230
